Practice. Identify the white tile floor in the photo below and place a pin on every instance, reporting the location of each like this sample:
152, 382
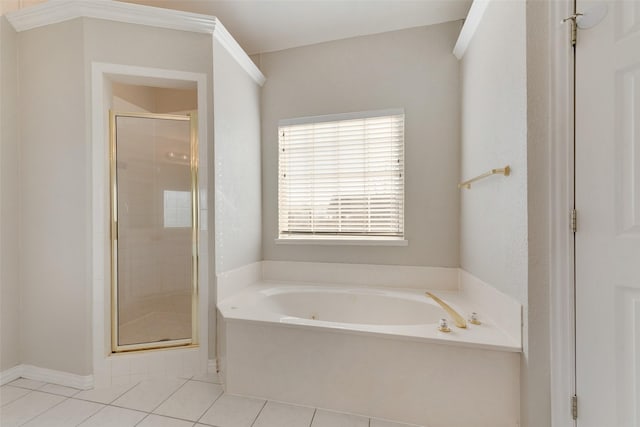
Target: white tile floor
199, 401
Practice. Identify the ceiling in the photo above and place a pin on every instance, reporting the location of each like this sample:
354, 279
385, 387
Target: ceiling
269, 25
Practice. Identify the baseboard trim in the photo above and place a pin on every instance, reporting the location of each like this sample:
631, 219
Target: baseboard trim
10, 374
82, 382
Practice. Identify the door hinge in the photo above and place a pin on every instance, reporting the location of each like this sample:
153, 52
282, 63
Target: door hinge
574, 27
574, 407
573, 220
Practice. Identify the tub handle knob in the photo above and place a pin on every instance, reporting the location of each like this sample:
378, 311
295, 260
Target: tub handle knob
443, 326
473, 319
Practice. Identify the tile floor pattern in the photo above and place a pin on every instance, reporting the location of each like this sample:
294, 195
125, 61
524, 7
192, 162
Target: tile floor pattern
198, 401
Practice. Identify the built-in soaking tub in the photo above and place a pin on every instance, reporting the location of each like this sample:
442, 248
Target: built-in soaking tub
371, 351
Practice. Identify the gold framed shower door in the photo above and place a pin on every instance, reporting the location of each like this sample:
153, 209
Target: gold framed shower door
116, 345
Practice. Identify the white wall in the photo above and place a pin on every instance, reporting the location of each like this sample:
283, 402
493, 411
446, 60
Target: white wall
9, 199
413, 69
494, 134
505, 220
238, 208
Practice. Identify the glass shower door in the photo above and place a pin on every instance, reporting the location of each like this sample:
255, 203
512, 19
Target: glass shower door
154, 231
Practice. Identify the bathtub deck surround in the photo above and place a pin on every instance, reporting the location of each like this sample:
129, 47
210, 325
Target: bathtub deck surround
233, 281
414, 382
389, 276
398, 314
505, 312
352, 342
491, 305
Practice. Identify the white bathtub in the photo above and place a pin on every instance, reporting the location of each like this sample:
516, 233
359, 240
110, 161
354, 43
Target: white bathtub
349, 306
370, 351
399, 314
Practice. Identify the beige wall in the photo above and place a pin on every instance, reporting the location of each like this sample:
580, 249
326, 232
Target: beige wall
175, 100
8, 6
9, 201
412, 69
55, 252
159, 48
134, 98
56, 228
494, 134
237, 161
536, 381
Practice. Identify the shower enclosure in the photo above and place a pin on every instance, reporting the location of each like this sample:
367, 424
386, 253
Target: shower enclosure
154, 224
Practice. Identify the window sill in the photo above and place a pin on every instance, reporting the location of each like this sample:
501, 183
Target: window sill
342, 242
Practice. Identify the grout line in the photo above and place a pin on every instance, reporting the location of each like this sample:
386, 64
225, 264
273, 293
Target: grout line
19, 397
103, 406
258, 414
46, 410
203, 381
23, 388
313, 417
124, 392
169, 397
210, 383
42, 386
143, 418
160, 415
210, 406
130, 409
56, 394
103, 403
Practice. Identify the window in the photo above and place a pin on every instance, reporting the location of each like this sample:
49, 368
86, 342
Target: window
177, 209
342, 176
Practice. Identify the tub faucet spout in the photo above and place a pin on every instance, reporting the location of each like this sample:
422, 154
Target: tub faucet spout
457, 319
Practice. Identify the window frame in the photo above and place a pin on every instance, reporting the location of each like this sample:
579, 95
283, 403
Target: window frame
336, 239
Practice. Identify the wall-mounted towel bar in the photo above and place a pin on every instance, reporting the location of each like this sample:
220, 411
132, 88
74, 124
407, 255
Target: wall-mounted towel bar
503, 171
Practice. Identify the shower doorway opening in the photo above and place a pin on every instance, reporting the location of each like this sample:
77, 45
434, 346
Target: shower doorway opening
154, 230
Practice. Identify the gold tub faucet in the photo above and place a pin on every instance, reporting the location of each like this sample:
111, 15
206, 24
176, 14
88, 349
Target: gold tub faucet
457, 319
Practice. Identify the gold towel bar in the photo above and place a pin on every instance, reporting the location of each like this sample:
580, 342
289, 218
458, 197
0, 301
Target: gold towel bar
503, 171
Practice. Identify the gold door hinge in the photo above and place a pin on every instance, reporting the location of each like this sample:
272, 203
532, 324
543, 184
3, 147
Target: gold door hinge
574, 27
574, 407
573, 221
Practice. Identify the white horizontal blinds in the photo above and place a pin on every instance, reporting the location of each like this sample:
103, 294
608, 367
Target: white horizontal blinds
342, 177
